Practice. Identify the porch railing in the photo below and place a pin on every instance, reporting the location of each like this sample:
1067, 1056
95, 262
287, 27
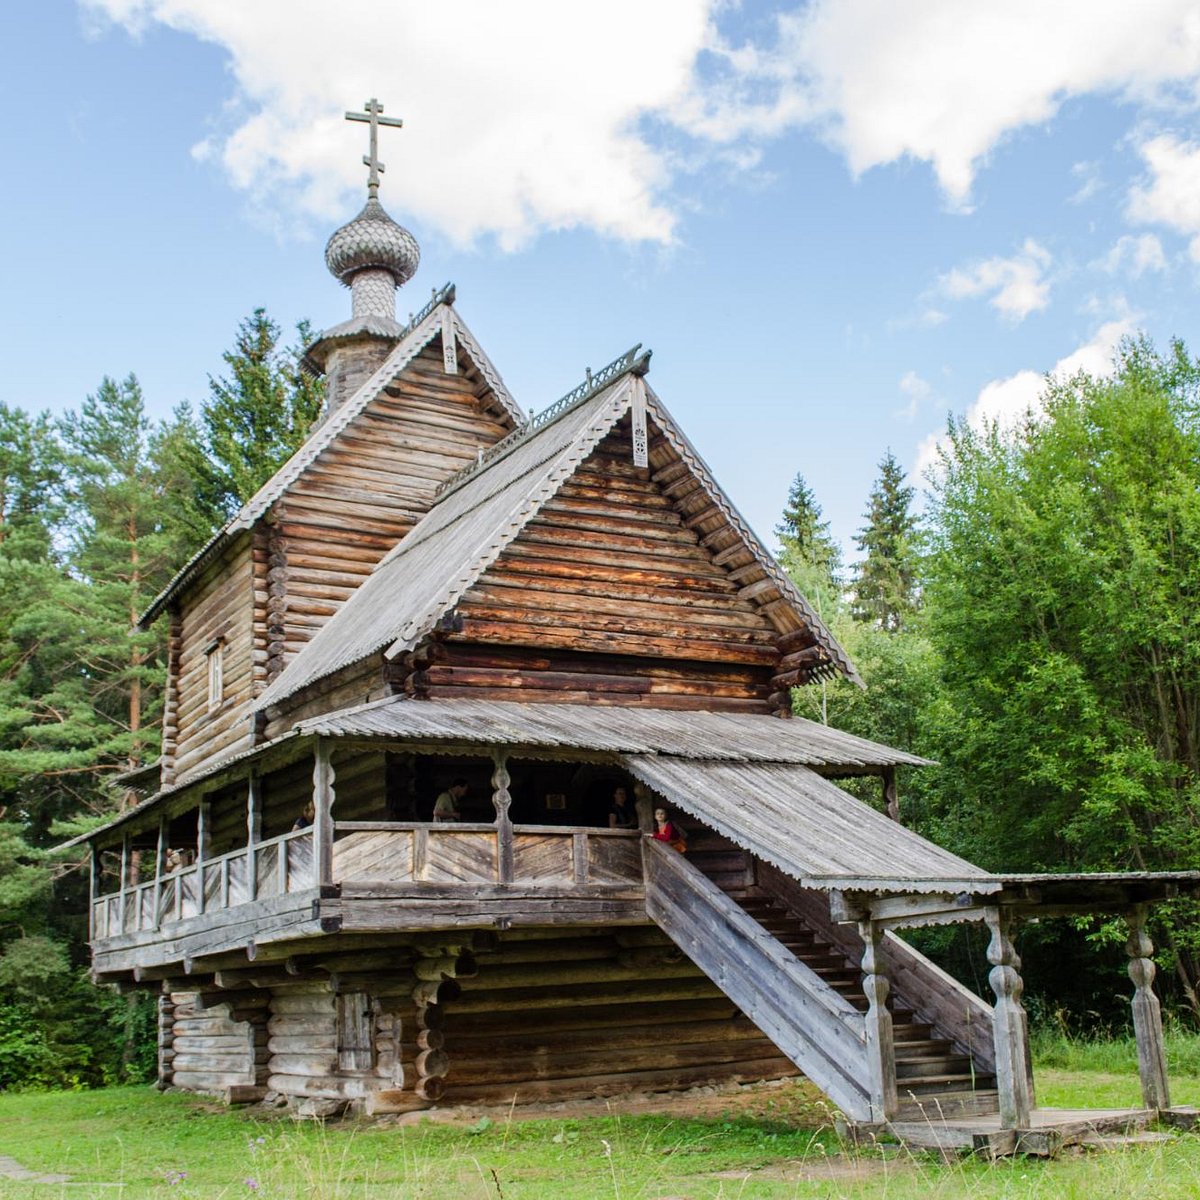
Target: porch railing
270, 868
380, 852
535, 855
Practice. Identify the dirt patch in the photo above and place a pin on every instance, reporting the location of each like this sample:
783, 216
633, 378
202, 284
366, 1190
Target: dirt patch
11, 1169
792, 1101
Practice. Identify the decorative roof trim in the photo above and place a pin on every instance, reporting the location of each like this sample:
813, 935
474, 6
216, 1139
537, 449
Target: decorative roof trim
631, 362
765, 559
419, 332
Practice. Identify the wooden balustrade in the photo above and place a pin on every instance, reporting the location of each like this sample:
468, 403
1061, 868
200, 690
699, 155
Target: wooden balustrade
550, 855
382, 852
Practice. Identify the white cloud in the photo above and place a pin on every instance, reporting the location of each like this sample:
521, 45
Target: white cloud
915, 389
1007, 401
945, 82
1015, 286
518, 117
1171, 197
537, 115
1134, 255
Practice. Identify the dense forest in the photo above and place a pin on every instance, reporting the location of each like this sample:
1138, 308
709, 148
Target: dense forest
1032, 626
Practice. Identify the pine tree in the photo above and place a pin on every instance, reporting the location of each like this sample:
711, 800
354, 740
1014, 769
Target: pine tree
255, 418
125, 547
886, 589
809, 554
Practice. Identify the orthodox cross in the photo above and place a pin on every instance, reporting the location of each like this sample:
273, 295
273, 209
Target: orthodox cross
374, 116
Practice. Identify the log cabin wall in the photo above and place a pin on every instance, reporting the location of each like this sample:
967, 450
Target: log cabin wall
549, 1015
217, 1049
593, 1012
371, 485
608, 596
218, 610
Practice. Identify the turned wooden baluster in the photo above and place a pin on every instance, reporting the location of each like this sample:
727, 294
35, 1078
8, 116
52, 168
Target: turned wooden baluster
881, 1050
1147, 1013
1009, 1025
502, 801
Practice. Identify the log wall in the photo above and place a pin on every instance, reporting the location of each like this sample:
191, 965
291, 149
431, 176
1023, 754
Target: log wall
608, 596
216, 1048
365, 492
220, 607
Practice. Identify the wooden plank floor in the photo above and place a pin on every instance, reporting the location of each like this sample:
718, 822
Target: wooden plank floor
1050, 1130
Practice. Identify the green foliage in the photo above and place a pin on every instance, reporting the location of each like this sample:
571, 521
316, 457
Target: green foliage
255, 418
1062, 595
885, 591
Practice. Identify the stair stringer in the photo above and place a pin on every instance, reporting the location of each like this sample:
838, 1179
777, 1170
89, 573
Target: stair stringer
815, 1027
954, 1012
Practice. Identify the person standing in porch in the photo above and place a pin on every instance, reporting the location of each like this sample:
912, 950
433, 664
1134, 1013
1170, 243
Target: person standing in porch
445, 807
621, 813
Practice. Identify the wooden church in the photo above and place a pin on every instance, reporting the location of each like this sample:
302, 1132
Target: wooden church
442, 596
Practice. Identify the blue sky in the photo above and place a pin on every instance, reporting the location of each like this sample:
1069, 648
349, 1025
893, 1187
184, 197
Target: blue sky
834, 222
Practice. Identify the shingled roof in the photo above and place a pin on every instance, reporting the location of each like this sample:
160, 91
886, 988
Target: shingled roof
414, 337
482, 510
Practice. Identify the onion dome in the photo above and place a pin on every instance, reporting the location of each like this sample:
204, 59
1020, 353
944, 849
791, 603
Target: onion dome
372, 241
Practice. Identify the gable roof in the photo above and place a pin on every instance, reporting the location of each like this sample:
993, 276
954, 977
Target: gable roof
429, 323
481, 510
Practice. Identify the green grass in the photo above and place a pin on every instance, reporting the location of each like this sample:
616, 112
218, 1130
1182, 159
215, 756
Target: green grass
132, 1143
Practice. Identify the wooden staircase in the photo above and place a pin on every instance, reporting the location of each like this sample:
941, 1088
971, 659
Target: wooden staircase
720, 885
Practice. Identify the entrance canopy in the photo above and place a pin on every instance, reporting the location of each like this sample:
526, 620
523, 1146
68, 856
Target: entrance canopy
808, 827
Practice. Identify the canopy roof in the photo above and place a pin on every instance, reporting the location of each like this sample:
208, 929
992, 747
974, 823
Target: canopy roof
737, 737
808, 827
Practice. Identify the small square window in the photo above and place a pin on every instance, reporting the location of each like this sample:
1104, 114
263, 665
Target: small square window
215, 655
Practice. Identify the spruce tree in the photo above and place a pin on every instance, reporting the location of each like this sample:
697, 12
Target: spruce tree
809, 554
256, 417
885, 591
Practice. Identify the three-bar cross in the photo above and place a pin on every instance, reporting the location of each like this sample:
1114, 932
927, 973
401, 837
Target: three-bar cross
374, 115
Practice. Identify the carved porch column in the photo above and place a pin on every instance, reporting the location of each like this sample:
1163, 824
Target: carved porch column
1147, 1013
502, 801
1009, 1025
881, 1050
644, 803
323, 797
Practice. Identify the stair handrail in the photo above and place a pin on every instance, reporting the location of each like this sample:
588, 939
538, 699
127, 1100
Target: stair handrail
955, 1012
811, 1023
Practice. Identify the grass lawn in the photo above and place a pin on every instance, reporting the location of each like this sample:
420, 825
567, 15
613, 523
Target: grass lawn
133, 1142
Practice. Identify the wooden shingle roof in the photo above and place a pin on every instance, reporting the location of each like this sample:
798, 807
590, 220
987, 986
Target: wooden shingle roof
732, 737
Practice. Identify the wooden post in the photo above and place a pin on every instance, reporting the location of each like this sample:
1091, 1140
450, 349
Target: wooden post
160, 861
881, 1050
502, 801
123, 893
253, 834
93, 891
1147, 1013
323, 797
203, 841
645, 807
891, 797
1009, 1027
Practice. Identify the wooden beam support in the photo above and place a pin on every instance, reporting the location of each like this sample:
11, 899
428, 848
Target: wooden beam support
881, 1050
1147, 1013
891, 797
323, 797
501, 802
1010, 1031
